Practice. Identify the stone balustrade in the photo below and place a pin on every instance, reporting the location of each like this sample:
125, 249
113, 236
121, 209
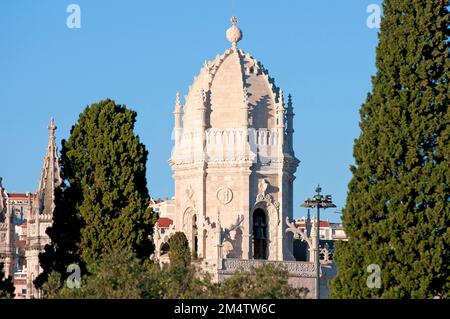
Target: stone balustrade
233, 144
295, 268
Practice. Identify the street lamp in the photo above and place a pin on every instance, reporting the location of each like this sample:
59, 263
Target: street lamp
319, 201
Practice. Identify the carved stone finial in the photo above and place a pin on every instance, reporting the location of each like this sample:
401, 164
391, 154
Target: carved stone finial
177, 102
234, 34
52, 127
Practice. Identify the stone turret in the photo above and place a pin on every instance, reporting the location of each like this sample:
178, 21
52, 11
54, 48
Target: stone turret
42, 211
7, 235
290, 125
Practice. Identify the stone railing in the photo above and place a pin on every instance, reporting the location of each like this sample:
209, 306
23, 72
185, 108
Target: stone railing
295, 268
231, 144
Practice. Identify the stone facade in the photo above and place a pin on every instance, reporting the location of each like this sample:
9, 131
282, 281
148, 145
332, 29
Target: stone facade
35, 211
7, 234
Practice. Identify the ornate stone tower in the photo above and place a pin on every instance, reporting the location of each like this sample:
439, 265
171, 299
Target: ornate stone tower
42, 212
233, 162
7, 234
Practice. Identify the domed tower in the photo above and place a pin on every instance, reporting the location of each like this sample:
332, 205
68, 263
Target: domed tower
233, 162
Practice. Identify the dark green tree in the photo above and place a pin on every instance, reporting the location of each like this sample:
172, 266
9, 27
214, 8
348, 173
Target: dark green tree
65, 235
397, 214
6, 285
103, 203
179, 253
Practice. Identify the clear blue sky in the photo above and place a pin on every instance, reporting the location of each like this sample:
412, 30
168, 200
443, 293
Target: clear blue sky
140, 53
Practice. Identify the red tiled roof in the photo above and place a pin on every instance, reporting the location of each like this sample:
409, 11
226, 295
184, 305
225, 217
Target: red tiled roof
164, 222
323, 223
17, 195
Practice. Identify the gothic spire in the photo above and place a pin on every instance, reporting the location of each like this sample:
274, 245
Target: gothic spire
2, 202
50, 175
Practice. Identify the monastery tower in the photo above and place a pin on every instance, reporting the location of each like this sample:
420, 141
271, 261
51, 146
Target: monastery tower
233, 161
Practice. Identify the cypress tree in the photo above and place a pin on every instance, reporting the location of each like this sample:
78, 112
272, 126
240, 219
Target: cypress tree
397, 214
179, 253
103, 203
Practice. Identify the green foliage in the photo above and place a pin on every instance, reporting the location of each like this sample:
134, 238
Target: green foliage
120, 274
397, 213
266, 281
6, 285
179, 253
117, 275
187, 283
65, 235
103, 203
181, 279
51, 288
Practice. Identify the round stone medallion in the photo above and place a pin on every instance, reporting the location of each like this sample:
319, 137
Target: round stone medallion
224, 195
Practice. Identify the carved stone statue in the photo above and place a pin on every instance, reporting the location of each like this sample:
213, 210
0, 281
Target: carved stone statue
262, 187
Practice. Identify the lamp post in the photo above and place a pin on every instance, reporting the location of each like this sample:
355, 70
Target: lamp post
319, 201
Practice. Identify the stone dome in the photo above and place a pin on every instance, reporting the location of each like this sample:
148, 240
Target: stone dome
232, 88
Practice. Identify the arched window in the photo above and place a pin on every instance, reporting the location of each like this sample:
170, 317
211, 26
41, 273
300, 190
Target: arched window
259, 234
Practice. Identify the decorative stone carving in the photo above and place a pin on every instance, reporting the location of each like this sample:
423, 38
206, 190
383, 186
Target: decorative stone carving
262, 187
189, 192
224, 195
297, 231
226, 232
263, 197
295, 268
268, 202
326, 255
